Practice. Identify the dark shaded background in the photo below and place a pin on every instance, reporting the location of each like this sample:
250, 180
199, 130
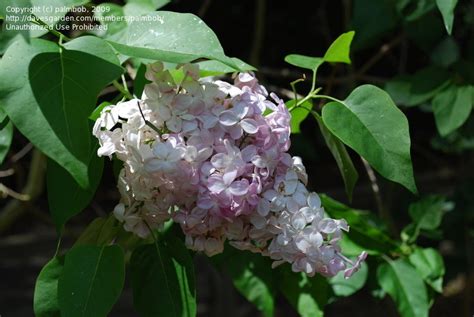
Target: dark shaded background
263, 33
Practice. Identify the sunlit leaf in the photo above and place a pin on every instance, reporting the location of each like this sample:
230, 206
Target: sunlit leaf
369, 122
170, 37
339, 50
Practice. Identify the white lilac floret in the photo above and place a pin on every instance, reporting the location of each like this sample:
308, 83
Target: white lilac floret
204, 155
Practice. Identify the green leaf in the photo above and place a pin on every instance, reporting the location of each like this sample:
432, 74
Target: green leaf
339, 50
298, 114
428, 212
111, 15
343, 160
65, 196
96, 113
116, 18
216, 68
452, 108
163, 280
91, 281
170, 37
252, 276
8, 35
52, 11
429, 264
45, 301
308, 295
311, 63
369, 122
446, 52
57, 89
402, 282
365, 233
140, 80
419, 87
446, 7
352, 248
95, 46
6, 136
101, 231
346, 287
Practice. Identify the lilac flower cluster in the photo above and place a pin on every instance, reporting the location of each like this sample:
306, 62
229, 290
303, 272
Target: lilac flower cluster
212, 157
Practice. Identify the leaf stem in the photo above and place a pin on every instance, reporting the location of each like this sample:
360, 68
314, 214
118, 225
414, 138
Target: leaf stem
383, 212
310, 95
293, 87
124, 83
155, 238
313, 82
58, 245
327, 97
122, 90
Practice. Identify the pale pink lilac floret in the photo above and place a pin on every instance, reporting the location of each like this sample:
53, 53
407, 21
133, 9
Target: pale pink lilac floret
210, 160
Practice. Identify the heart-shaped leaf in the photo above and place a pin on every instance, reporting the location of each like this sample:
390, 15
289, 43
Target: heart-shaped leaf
91, 281
57, 90
369, 122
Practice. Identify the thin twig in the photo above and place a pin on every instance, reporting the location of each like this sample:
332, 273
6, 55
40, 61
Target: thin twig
384, 49
25, 150
374, 184
5, 191
383, 212
6, 173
